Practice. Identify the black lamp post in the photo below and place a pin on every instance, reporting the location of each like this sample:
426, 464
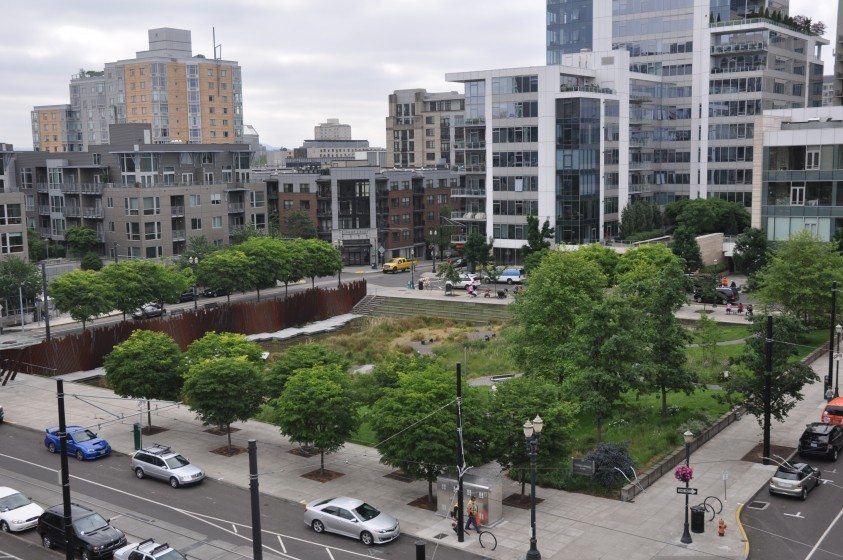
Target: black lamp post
686, 533
193, 261
532, 430
338, 245
413, 268
839, 329
433, 234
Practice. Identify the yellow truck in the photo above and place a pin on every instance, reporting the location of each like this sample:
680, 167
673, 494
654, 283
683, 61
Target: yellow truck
399, 264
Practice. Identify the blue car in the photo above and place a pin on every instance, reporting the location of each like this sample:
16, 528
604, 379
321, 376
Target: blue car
81, 443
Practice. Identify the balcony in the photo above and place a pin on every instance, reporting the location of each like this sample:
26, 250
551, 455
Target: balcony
44, 187
468, 216
470, 168
468, 193
588, 88
177, 211
72, 212
179, 235
94, 213
235, 187
83, 188
43, 208
235, 207
739, 47
734, 69
459, 239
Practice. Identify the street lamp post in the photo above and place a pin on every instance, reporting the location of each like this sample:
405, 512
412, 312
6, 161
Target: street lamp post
412, 268
338, 245
689, 437
532, 430
433, 236
839, 329
193, 261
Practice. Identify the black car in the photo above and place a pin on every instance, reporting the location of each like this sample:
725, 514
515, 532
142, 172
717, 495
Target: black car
92, 537
210, 292
189, 295
824, 440
722, 294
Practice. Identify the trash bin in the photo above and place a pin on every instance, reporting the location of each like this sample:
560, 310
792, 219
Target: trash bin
698, 519
421, 284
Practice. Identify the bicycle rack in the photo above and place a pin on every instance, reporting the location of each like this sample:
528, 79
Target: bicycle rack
711, 508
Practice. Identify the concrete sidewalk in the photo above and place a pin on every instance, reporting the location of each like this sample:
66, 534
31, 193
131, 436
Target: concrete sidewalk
569, 525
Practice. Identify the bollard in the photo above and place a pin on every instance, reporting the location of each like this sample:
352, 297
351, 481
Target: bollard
419, 550
136, 430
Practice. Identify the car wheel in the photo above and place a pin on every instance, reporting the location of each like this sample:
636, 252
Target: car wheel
4, 527
51, 447
139, 473
174, 482
317, 526
509, 281
804, 495
834, 454
367, 538
86, 555
45, 540
79, 455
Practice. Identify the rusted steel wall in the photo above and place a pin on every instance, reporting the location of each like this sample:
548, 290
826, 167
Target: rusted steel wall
86, 350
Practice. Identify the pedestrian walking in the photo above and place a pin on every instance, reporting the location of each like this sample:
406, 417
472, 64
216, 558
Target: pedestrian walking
454, 513
471, 518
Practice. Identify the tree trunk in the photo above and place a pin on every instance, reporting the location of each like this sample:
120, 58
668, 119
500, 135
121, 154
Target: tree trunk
124, 316
664, 401
83, 325
148, 414
286, 286
227, 298
429, 491
228, 431
321, 462
259, 294
599, 428
312, 281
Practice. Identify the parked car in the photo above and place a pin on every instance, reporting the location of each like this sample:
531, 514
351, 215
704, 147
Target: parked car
1, 415
17, 512
210, 292
832, 412
149, 311
353, 518
457, 262
824, 440
161, 462
92, 537
148, 550
795, 480
467, 280
81, 443
189, 295
722, 294
510, 275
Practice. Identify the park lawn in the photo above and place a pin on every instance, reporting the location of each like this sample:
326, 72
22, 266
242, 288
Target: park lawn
478, 357
726, 332
810, 341
712, 373
638, 421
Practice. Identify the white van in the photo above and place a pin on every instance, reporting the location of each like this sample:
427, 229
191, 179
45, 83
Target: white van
512, 275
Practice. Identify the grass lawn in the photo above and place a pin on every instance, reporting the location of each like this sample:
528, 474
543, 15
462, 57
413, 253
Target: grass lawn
726, 332
479, 358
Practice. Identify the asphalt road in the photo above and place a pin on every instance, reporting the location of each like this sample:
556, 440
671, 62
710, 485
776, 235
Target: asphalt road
210, 521
790, 529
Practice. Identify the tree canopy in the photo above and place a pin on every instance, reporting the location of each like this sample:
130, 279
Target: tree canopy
537, 239
228, 270
223, 345
316, 258
18, 275
268, 257
685, 247
300, 356
707, 215
81, 240
146, 365
298, 225
84, 294
477, 250
639, 216
604, 257
752, 252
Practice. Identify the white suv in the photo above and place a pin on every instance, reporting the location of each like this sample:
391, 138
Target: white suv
148, 550
160, 462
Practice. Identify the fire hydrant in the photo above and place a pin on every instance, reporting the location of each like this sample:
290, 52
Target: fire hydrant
721, 528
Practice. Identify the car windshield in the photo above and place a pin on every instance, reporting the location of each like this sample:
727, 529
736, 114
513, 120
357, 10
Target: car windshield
787, 475
170, 555
834, 410
813, 436
13, 501
366, 512
83, 435
89, 524
176, 462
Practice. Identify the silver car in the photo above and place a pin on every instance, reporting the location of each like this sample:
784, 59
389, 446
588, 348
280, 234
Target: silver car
795, 480
161, 462
353, 518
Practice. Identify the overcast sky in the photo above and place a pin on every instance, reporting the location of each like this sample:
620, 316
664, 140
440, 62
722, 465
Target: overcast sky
303, 60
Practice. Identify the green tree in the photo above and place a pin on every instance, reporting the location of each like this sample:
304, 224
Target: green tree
37, 245
128, 284
322, 388
298, 225
537, 240
751, 251
416, 427
562, 288
81, 240
799, 275
605, 357
240, 234
268, 257
290, 270
198, 247
147, 365
707, 335
745, 384
645, 260
685, 246
521, 399
82, 293
639, 216
91, 261
448, 273
19, 277
223, 390
166, 282
298, 357
317, 258
223, 345
604, 257
533, 260
229, 270
707, 215
477, 251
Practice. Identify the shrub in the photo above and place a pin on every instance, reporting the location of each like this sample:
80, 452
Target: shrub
91, 261
608, 457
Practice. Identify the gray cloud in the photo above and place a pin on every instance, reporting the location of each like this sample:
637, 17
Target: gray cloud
303, 60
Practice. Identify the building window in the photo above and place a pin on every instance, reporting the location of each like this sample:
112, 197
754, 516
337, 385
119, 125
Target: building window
152, 230
288, 205
11, 242
812, 158
216, 222
151, 205
10, 214
195, 223
216, 198
195, 200
131, 206
133, 231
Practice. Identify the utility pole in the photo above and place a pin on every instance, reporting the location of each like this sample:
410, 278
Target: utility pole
827, 382
768, 378
46, 299
116, 258
65, 476
460, 458
257, 547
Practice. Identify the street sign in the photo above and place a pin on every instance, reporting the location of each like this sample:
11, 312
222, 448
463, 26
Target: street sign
725, 475
583, 467
381, 250
683, 490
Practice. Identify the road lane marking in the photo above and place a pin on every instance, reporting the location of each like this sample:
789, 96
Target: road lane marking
233, 526
9, 556
825, 534
328, 550
797, 514
284, 548
196, 516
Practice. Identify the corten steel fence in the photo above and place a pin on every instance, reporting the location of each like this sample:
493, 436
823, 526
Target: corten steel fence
86, 350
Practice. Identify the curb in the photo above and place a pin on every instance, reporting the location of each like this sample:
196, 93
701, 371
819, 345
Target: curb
743, 531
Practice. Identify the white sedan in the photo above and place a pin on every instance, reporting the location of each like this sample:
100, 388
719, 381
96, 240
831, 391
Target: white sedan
466, 280
17, 512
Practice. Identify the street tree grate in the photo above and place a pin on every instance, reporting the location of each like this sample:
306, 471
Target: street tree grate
757, 505
440, 536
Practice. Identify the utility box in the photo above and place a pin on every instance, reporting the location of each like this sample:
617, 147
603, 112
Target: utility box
485, 489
